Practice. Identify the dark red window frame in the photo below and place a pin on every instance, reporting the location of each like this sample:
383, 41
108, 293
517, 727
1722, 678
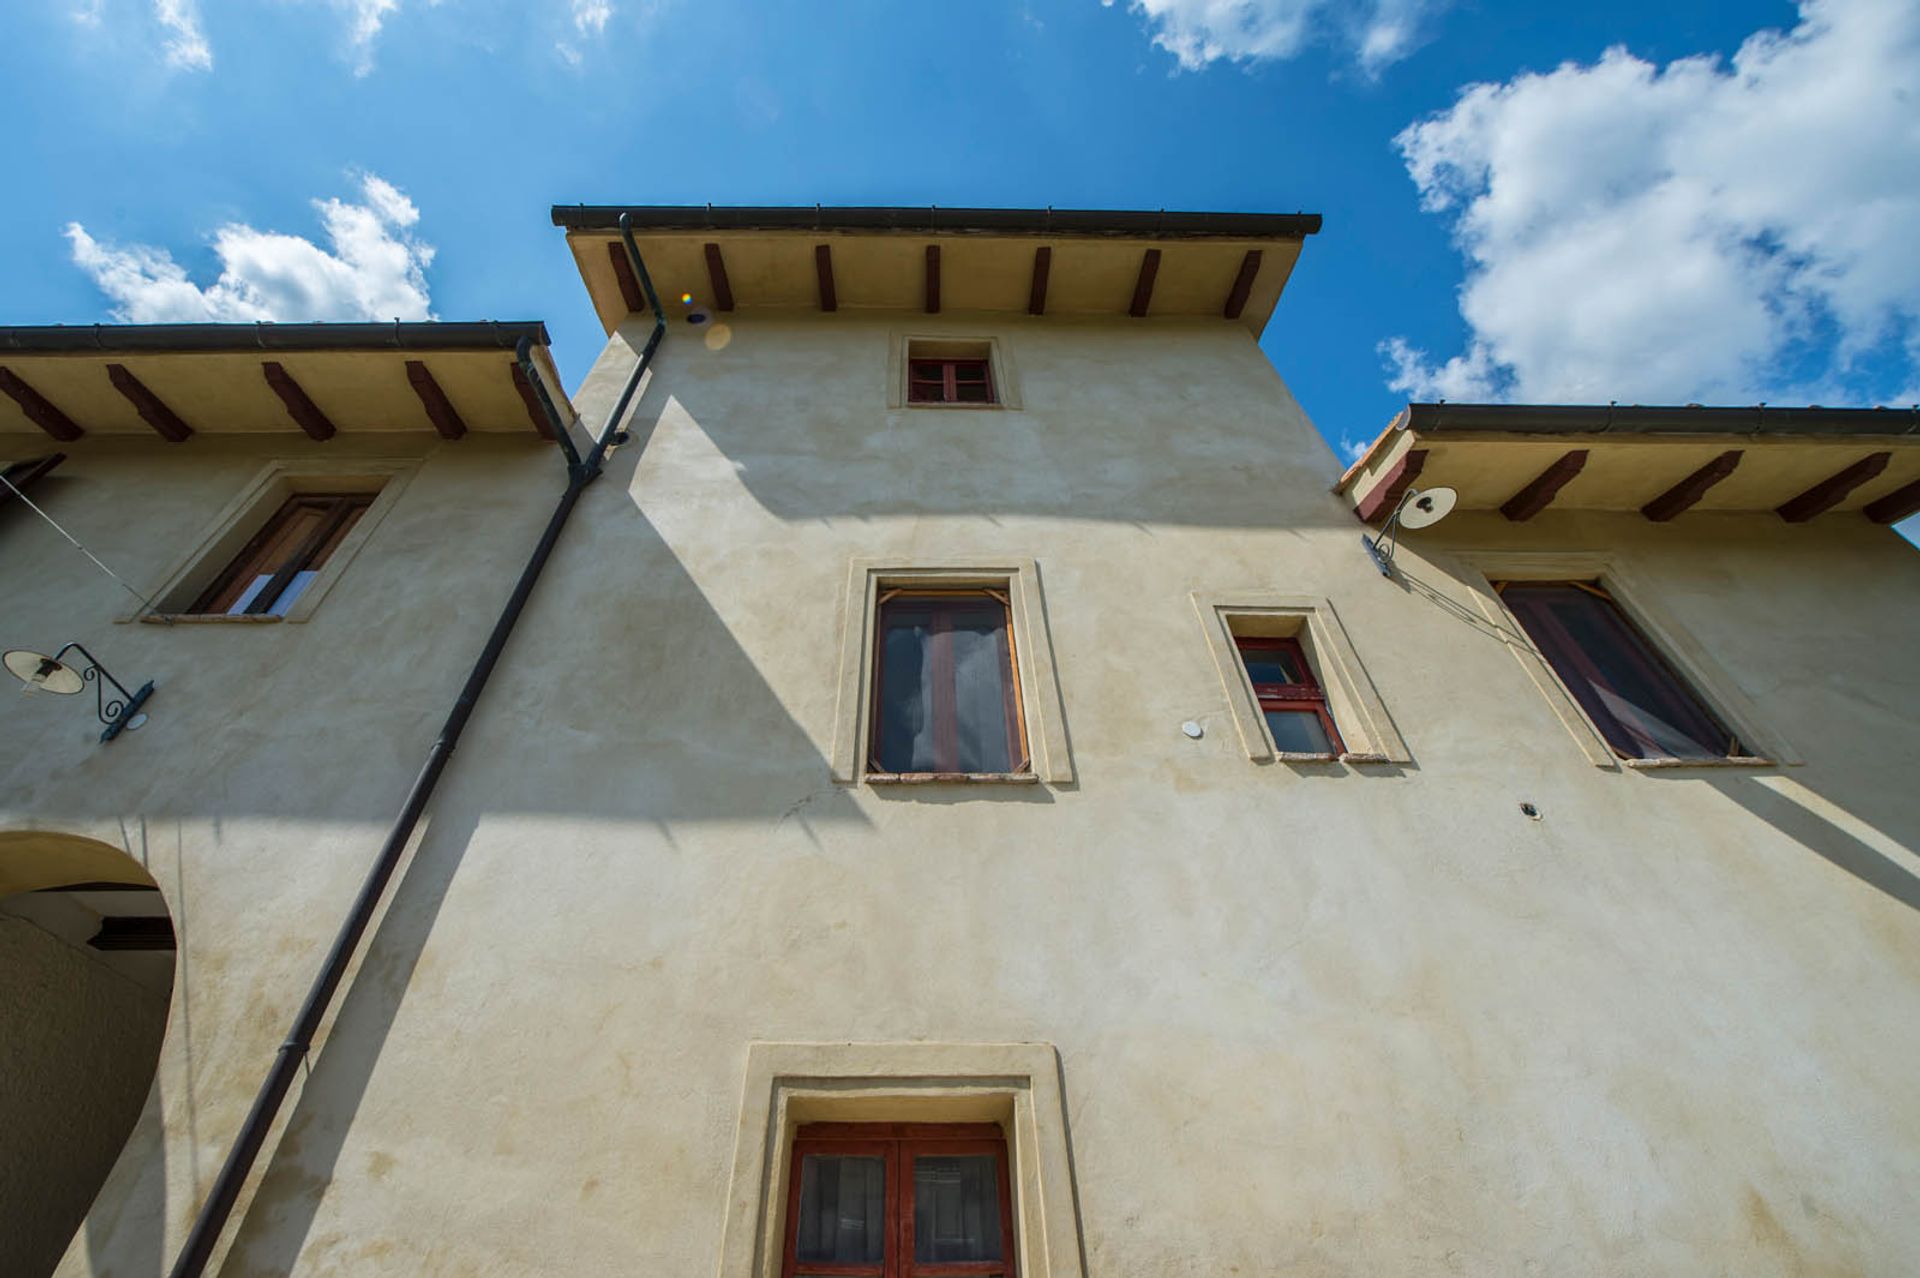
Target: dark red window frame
898, 1144
1303, 694
280, 557
1539, 606
946, 727
939, 381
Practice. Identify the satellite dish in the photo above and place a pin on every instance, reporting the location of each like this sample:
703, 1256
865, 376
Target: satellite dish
1428, 507
43, 672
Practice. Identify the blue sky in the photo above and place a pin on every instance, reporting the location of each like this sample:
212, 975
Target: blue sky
1648, 202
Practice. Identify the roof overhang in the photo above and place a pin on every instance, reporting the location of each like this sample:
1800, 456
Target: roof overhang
1520, 459
1147, 265
178, 380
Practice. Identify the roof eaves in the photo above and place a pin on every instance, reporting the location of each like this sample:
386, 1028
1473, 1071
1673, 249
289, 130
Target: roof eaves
1119, 223
175, 338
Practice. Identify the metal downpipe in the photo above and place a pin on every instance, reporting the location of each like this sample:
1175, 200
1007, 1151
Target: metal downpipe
214, 1213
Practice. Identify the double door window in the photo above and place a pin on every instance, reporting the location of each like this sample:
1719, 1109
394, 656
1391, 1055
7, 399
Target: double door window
899, 1200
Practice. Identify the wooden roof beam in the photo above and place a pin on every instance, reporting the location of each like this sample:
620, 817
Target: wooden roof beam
1539, 494
933, 279
1393, 485
623, 272
151, 408
1143, 287
1687, 493
37, 408
305, 413
717, 278
440, 410
1042, 266
1242, 285
1830, 492
536, 412
1895, 506
823, 267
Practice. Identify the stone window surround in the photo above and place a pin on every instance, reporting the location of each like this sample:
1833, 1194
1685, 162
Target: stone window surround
1045, 721
248, 512
1006, 381
1365, 726
1690, 659
1016, 1085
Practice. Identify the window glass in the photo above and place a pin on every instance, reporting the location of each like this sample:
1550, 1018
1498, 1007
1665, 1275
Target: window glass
1298, 732
842, 1210
899, 1200
1290, 697
956, 1209
283, 558
946, 699
1642, 708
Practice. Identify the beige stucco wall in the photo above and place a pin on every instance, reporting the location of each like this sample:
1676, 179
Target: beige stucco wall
1313, 1019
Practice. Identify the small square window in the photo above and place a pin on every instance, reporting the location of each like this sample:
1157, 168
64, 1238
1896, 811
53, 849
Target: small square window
275, 568
949, 381
1291, 699
895, 1200
946, 688
1633, 695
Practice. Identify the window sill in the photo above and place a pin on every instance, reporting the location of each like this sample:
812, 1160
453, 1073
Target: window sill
951, 778
1732, 761
927, 404
207, 619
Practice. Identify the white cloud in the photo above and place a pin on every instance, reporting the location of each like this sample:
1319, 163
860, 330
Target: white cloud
364, 20
373, 269
590, 16
1700, 231
186, 46
1198, 32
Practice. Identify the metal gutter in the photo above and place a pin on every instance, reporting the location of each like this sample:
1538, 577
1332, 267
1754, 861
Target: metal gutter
62, 339
1690, 419
1129, 224
218, 1207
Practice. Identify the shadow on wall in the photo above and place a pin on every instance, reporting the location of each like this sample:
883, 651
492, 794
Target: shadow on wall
1860, 817
274, 1229
1142, 450
1834, 832
619, 657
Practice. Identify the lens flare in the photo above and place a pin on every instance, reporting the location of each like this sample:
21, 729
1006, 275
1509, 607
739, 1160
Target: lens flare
686, 299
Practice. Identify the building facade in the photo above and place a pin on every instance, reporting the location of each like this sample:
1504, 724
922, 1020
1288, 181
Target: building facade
961, 797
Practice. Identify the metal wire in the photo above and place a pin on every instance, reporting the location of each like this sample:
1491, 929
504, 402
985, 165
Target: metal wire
146, 601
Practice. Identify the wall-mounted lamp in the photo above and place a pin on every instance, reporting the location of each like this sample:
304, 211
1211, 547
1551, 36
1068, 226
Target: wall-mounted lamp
1417, 509
120, 713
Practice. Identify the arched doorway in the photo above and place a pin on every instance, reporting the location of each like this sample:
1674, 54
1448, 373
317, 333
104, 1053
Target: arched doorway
86, 976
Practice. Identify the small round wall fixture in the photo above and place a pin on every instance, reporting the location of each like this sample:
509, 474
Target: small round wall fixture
40, 673
1193, 729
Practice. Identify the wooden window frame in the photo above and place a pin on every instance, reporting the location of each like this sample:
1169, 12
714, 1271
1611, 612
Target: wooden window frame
1017, 748
1307, 694
214, 547
1641, 650
340, 513
897, 1145
949, 382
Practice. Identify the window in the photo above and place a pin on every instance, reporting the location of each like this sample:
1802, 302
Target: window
949, 381
899, 1200
946, 692
1291, 700
283, 558
1642, 708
